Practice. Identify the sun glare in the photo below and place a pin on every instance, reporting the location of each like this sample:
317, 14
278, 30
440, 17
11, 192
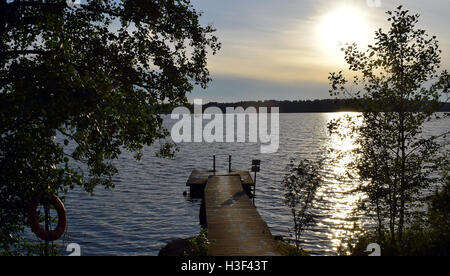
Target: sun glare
340, 26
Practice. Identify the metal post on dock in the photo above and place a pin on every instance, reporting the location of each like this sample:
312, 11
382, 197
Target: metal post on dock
255, 168
229, 163
214, 163
254, 189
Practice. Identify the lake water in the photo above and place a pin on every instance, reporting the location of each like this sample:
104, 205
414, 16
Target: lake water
147, 208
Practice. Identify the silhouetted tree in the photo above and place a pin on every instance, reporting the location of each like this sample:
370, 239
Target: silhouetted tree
398, 82
300, 184
97, 75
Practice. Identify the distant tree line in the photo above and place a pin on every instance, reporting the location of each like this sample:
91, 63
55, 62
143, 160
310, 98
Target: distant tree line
305, 106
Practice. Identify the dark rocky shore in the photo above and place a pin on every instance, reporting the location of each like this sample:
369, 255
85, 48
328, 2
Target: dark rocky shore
174, 248
179, 247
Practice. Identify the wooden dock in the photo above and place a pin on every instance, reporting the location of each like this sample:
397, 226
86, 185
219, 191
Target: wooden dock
198, 179
232, 220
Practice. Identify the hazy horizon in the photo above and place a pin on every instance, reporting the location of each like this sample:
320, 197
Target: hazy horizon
284, 50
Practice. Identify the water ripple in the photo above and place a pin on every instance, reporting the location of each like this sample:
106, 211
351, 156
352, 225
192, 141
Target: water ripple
147, 209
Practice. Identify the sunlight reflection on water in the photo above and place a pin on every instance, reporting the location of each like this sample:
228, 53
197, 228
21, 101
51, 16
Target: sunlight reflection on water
147, 209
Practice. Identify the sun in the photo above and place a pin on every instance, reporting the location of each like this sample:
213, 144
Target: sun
343, 25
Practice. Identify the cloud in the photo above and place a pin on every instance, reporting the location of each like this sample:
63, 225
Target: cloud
275, 44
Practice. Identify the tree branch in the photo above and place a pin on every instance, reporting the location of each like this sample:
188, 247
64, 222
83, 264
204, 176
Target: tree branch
27, 52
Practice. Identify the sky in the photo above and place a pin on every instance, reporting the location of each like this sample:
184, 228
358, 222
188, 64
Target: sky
285, 49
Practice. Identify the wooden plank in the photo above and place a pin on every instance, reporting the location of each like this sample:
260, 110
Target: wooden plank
199, 177
233, 221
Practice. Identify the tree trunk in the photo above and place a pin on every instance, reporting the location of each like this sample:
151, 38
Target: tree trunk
380, 222
402, 180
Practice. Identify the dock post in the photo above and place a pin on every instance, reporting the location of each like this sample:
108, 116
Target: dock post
214, 163
229, 163
255, 168
254, 189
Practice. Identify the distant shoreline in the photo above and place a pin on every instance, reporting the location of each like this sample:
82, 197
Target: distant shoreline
306, 106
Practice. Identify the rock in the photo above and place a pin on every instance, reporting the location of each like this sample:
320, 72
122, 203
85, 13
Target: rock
175, 248
278, 238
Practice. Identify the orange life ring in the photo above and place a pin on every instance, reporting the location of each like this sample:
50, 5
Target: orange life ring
34, 222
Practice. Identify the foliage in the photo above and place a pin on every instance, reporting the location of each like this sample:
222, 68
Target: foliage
439, 215
287, 249
429, 238
300, 186
398, 82
200, 244
355, 242
24, 247
98, 77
